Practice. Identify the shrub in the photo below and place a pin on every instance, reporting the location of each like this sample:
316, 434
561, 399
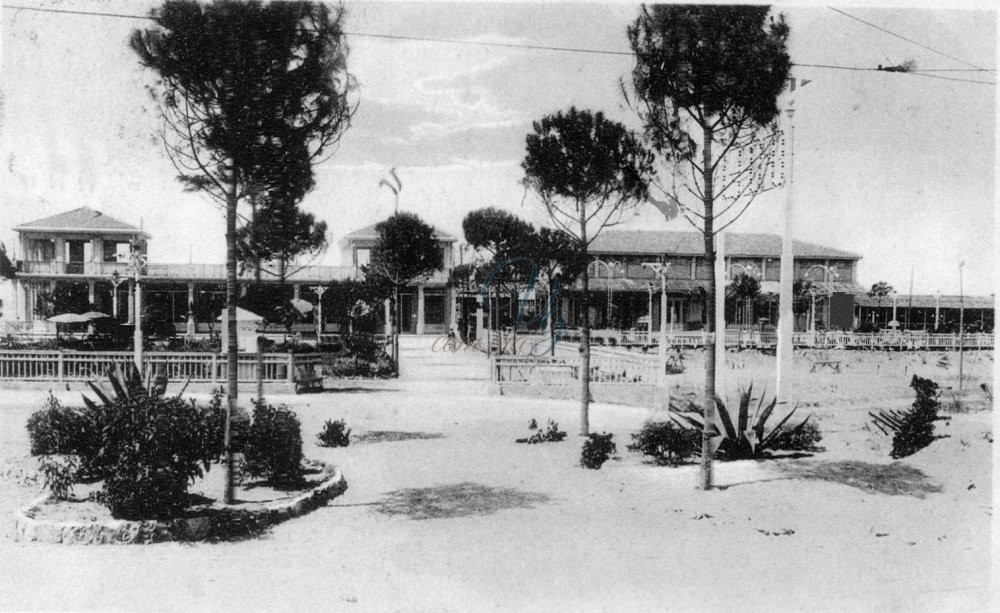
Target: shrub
239, 427
666, 443
59, 475
552, 434
748, 437
58, 429
151, 448
335, 434
805, 437
274, 449
597, 449
913, 429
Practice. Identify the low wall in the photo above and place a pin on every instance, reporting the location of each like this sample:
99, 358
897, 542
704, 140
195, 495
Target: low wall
217, 521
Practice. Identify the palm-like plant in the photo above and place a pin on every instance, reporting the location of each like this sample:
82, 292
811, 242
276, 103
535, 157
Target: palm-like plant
748, 437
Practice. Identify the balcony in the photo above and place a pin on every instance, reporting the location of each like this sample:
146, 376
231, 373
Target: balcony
184, 272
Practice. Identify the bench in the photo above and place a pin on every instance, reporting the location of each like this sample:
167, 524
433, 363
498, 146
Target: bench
833, 365
306, 378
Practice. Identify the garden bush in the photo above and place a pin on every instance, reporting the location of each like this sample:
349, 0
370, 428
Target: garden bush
912, 429
551, 434
59, 475
239, 427
597, 449
150, 450
805, 437
335, 434
274, 448
666, 443
56, 429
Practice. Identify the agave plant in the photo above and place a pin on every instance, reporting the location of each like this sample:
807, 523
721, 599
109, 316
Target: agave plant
748, 437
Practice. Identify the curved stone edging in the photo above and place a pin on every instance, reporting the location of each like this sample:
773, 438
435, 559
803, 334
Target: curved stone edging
218, 521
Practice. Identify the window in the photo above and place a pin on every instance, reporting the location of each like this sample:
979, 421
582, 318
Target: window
362, 256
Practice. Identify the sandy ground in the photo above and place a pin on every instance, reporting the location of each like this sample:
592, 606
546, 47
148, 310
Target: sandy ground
519, 527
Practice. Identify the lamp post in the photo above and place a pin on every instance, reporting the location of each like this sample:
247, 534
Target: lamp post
937, 310
749, 270
829, 274
661, 269
610, 291
320, 290
116, 280
137, 261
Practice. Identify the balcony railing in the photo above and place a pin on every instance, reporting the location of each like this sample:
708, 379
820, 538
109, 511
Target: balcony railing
213, 272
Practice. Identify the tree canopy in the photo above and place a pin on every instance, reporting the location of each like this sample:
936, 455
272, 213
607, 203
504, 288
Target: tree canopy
263, 85
587, 170
406, 250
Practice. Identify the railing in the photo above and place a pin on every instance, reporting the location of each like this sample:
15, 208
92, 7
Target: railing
554, 371
17, 365
819, 339
186, 271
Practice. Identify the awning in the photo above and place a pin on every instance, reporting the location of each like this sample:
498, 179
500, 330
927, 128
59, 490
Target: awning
624, 284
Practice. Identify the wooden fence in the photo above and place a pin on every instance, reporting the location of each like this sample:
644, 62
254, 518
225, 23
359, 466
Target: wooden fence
554, 371
29, 365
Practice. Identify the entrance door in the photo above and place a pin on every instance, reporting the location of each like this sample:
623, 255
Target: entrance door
407, 314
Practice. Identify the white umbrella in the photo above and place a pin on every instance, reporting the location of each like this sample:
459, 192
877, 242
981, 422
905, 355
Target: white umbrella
302, 306
94, 315
69, 318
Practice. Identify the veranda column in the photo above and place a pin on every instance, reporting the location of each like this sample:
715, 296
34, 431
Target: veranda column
296, 290
388, 318
420, 309
131, 302
90, 292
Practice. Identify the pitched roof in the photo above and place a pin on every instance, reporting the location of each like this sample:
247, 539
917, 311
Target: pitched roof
369, 232
692, 243
83, 218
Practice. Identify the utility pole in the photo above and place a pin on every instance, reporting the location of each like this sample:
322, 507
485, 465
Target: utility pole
961, 328
786, 326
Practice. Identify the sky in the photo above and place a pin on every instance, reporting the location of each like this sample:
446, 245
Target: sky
898, 168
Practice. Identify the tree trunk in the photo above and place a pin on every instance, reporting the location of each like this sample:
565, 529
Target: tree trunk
552, 324
585, 338
232, 357
256, 281
705, 477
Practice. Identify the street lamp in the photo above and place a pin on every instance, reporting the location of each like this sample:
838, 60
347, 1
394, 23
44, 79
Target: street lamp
661, 269
610, 291
830, 273
116, 280
136, 263
320, 290
749, 270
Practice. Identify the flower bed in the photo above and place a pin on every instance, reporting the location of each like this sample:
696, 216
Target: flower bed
209, 521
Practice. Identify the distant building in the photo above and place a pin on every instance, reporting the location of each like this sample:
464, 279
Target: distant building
86, 254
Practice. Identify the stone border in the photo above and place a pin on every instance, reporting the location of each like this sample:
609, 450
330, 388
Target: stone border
216, 521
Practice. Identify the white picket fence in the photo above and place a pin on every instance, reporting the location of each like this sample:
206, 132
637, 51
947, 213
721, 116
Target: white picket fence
555, 371
30, 365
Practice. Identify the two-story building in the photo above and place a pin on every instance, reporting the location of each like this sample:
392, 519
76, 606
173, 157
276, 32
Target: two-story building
86, 253
426, 307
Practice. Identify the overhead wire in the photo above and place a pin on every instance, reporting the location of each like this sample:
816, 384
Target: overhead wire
916, 72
